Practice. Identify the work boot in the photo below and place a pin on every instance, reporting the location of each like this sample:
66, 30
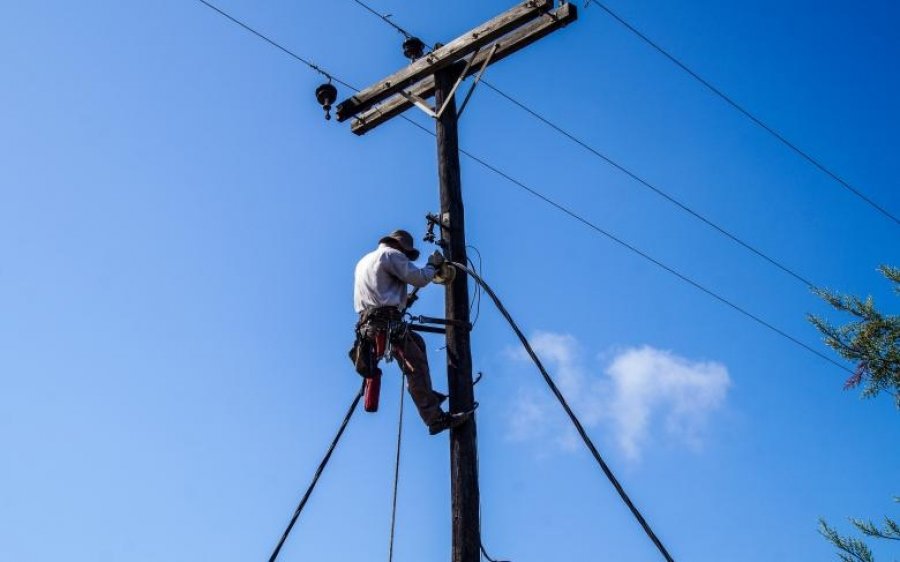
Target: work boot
448, 421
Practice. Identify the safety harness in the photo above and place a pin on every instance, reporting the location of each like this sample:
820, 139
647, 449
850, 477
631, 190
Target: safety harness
378, 333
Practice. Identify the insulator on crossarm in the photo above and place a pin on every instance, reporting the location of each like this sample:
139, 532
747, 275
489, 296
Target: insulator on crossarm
413, 48
326, 94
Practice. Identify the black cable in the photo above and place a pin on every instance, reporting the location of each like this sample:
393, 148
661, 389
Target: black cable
475, 303
397, 470
639, 252
578, 426
385, 18
318, 473
747, 113
277, 45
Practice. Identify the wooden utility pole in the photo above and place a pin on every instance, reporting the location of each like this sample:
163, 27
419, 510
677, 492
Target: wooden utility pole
439, 74
463, 444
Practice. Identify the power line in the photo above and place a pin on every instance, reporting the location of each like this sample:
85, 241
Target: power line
277, 45
653, 188
588, 223
805, 155
386, 18
595, 152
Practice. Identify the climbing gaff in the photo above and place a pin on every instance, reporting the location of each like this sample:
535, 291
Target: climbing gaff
325, 95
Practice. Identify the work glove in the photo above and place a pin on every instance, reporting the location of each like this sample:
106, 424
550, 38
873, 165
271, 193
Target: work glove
436, 259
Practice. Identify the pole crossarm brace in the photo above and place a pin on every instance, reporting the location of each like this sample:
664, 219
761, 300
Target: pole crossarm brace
505, 46
436, 113
443, 57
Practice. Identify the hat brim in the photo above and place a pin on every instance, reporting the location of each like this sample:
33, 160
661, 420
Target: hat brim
412, 254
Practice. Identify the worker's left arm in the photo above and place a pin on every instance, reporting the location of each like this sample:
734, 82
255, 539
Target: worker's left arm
407, 271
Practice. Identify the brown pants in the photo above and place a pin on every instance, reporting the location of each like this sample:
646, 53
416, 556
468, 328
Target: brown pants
413, 360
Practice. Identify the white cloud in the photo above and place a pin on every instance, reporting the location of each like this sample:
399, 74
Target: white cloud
643, 393
650, 385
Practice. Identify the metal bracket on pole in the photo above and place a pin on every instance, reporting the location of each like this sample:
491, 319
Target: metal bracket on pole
418, 102
484, 66
435, 113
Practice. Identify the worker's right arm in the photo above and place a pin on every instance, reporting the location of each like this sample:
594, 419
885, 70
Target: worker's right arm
405, 270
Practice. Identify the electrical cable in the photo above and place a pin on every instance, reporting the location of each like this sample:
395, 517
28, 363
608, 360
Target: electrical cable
318, 473
277, 45
809, 284
386, 18
805, 155
574, 419
397, 469
476, 297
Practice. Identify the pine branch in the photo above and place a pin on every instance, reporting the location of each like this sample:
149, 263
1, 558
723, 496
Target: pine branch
852, 550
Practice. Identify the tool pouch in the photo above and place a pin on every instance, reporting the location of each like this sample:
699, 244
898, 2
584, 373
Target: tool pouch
361, 356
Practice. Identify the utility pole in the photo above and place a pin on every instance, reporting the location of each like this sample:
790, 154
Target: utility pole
463, 444
439, 74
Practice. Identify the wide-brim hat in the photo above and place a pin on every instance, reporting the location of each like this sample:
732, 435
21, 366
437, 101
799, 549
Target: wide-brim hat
403, 240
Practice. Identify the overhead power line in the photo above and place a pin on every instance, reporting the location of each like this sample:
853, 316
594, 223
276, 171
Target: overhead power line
650, 186
741, 109
641, 181
277, 45
593, 226
581, 219
384, 17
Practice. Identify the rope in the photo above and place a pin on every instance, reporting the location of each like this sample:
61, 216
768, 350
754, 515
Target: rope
580, 428
318, 473
397, 470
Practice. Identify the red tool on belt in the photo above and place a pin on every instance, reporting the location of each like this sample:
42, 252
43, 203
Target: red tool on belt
373, 383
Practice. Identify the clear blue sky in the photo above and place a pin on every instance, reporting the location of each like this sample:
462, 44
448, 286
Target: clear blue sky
179, 225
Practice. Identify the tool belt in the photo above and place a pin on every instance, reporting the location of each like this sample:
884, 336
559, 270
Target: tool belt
379, 316
376, 332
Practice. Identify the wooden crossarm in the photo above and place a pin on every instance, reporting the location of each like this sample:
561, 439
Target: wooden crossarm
443, 57
506, 46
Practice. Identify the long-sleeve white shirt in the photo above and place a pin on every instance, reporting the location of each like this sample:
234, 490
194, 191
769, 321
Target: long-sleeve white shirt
382, 275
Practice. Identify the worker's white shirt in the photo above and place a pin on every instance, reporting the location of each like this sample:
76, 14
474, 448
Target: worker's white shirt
381, 278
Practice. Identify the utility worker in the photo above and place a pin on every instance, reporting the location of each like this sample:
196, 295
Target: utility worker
380, 297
